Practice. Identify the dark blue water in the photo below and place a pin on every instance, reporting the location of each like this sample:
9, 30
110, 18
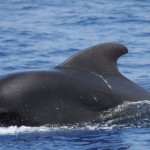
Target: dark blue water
39, 34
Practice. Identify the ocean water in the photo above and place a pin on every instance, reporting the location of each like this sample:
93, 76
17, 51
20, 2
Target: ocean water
40, 34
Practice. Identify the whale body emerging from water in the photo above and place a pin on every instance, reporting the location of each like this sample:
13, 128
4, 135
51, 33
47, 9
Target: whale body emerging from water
75, 91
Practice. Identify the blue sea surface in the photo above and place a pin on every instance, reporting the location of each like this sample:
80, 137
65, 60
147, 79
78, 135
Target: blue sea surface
40, 34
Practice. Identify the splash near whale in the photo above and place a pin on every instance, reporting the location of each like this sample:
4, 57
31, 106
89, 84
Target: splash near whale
76, 91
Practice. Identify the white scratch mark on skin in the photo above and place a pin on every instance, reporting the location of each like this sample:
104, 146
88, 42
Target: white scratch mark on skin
103, 79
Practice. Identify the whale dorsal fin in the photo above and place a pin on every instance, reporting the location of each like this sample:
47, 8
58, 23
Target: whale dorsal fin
101, 58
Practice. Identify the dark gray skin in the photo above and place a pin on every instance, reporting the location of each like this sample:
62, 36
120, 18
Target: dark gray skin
76, 91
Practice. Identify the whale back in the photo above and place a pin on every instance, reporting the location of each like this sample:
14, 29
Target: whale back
77, 90
101, 60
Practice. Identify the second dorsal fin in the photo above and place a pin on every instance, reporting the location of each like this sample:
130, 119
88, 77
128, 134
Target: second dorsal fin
101, 58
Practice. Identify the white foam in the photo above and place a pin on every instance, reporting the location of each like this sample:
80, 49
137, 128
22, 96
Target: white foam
13, 130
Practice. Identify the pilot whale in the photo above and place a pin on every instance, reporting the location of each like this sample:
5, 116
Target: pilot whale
78, 90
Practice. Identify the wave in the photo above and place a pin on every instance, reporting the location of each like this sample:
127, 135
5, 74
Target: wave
128, 114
